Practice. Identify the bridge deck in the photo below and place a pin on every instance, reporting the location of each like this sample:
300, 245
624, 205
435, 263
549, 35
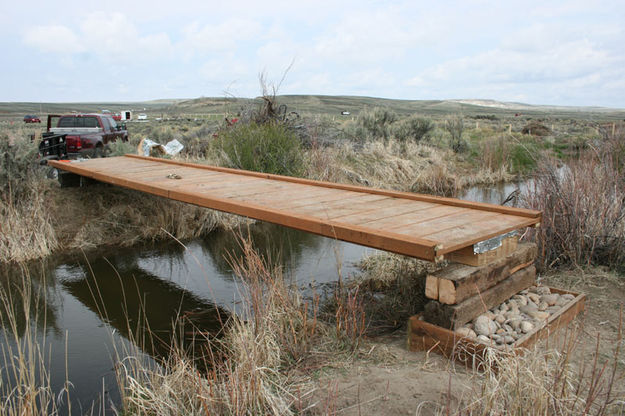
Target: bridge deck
421, 226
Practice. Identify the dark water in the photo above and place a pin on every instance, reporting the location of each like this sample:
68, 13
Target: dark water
496, 194
93, 306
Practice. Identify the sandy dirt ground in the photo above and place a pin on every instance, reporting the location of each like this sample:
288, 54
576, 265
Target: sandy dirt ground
394, 381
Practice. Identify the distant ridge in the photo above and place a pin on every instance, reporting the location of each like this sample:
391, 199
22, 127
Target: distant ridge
334, 105
522, 106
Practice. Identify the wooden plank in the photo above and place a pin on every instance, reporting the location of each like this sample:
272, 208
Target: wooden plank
399, 223
198, 177
331, 209
138, 169
156, 177
250, 191
437, 222
185, 175
454, 316
406, 195
423, 336
220, 185
308, 197
463, 281
111, 164
284, 197
323, 195
390, 207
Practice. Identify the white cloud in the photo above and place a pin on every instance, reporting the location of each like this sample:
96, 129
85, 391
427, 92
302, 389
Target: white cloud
224, 68
53, 39
572, 63
110, 37
369, 37
219, 37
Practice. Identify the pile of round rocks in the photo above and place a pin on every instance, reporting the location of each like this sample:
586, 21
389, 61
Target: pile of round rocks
517, 316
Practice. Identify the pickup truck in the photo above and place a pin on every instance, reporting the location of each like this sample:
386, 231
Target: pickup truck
79, 135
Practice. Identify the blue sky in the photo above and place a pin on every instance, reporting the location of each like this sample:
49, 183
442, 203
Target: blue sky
538, 52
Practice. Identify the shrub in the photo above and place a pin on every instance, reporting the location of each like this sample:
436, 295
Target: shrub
536, 128
375, 123
120, 148
413, 128
18, 165
269, 148
455, 126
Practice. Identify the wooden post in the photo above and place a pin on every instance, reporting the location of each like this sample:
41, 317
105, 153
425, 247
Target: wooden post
454, 316
458, 282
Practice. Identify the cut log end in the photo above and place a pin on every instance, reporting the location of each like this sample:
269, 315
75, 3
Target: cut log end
446, 291
431, 287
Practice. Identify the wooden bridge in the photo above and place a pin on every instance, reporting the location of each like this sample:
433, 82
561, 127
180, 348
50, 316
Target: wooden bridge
421, 226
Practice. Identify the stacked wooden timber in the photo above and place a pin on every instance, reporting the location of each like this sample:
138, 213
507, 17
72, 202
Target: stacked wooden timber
460, 292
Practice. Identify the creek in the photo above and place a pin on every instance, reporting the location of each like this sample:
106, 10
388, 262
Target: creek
96, 305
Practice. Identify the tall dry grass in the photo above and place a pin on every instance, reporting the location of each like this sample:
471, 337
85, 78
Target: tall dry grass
391, 288
404, 166
563, 379
252, 368
583, 205
25, 228
25, 387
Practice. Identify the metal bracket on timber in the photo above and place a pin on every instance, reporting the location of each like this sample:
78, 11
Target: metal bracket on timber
421, 226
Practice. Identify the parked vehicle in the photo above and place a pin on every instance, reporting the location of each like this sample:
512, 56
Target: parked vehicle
126, 115
142, 116
79, 135
31, 119
116, 116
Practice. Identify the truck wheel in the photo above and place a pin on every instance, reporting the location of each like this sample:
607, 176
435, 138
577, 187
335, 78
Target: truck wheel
52, 173
98, 152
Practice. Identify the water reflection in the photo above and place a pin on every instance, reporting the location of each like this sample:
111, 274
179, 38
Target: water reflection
278, 245
142, 307
30, 299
